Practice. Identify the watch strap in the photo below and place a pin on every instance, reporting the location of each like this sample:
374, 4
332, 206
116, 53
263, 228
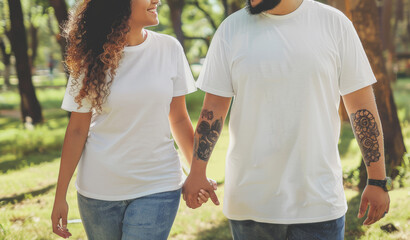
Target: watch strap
379, 183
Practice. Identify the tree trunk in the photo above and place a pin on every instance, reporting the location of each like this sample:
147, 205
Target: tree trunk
33, 44
231, 6
388, 31
366, 21
33, 30
30, 107
176, 7
6, 61
225, 5
61, 13
234, 5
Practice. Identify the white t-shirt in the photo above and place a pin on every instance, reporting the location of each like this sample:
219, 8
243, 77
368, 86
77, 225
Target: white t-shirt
286, 74
129, 152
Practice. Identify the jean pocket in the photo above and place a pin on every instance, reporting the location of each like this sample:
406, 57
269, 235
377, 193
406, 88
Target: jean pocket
153, 211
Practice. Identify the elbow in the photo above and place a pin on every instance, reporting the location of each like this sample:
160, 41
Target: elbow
78, 131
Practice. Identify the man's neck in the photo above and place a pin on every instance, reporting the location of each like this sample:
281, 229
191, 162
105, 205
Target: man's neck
285, 7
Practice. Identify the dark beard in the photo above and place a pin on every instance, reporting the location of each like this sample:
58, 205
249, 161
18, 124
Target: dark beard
265, 5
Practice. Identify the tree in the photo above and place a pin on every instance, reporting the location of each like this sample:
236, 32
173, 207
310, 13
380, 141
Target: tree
365, 17
61, 13
6, 61
30, 107
231, 6
195, 21
366, 21
176, 7
33, 32
5, 43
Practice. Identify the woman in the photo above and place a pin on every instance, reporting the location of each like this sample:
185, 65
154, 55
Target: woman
125, 93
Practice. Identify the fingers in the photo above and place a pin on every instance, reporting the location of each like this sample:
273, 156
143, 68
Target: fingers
59, 230
380, 215
202, 199
213, 197
388, 207
64, 222
65, 231
370, 216
203, 196
214, 184
374, 215
56, 229
193, 202
60, 214
388, 204
362, 208
196, 191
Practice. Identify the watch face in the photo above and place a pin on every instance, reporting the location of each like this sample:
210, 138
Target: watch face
389, 184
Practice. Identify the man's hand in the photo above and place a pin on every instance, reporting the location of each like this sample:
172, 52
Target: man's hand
192, 186
379, 202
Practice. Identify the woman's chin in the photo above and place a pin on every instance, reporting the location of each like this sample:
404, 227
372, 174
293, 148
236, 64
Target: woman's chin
153, 23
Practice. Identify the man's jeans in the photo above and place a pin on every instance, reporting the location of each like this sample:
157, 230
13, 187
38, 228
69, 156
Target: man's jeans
251, 230
149, 217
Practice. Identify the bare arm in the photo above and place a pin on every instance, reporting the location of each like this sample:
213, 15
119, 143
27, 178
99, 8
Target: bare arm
181, 127
75, 137
364, 117
208, 130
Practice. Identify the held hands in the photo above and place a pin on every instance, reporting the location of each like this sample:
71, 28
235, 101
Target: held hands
197, 189
379, 202
203, 195
60, 212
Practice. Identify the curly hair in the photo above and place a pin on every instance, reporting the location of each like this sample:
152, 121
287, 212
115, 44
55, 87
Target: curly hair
96, 35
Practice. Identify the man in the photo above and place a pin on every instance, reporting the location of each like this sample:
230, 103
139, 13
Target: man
286, 63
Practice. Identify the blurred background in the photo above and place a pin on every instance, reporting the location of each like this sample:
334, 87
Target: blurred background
32, 125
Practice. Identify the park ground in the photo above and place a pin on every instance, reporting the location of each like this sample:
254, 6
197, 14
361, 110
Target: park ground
29, 161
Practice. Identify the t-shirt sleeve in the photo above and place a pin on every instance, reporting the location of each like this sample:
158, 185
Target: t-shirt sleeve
183, 81
68, 102
215, 76
355, 71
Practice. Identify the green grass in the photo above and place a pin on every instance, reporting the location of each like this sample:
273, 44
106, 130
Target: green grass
29, 161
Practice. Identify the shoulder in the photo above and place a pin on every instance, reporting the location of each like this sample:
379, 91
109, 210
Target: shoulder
164, 39
241, 14
235, 19
328, 13
233, 24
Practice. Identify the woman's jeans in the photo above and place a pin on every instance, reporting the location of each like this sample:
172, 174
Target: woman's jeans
146, 218
328, 230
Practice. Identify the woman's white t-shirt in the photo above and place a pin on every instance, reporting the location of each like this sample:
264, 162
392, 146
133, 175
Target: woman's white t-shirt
129, 152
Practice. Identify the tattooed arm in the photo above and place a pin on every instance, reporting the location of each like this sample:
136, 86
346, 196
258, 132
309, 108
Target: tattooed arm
364, 117
210, 124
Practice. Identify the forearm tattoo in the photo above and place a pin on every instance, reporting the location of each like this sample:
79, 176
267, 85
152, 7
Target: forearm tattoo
366, 131
208, 132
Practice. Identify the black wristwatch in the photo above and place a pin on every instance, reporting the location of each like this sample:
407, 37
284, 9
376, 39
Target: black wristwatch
386, 184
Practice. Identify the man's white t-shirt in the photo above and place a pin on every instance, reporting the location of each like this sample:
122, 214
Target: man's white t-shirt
286, 74
129, 152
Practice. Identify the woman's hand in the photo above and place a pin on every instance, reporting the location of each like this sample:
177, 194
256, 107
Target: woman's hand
59, 218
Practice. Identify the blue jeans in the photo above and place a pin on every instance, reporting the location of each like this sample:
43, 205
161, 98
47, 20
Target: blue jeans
249, 230
145, 218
